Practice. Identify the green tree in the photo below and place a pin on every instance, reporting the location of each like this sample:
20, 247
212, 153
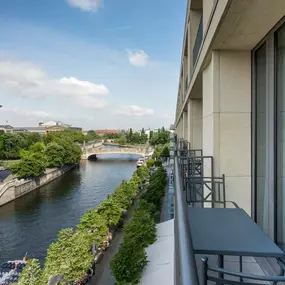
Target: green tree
91, 134
10, 145
69, 256
55, 154
128, 263
72, 151
165, 151
37, 147
31, 273
150, 162
160, 138
31, 138
122, 140
110, 211
32, 164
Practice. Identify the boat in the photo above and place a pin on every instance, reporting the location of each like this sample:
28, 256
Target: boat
140, 162
10, 271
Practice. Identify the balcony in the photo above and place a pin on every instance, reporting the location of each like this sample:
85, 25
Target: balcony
198, 41
212, 239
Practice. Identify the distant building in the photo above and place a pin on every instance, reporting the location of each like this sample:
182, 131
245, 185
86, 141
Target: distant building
104, 132
44, 128
39, 130
6, 128
57, 126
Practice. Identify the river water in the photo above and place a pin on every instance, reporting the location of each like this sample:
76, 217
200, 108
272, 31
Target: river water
30, 223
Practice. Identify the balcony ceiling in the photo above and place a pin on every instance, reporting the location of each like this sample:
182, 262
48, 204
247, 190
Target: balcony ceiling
246, 22
196, 4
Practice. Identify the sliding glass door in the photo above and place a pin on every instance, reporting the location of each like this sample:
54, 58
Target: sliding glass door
280, 135
260, 139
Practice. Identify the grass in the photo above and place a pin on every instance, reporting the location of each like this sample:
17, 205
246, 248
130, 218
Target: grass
8, 163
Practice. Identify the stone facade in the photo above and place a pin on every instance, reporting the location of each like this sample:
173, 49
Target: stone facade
17, 188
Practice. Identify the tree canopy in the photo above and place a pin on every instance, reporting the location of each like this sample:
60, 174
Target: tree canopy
53, 150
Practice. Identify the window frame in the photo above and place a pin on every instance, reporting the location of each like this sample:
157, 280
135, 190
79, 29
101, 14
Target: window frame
269, 40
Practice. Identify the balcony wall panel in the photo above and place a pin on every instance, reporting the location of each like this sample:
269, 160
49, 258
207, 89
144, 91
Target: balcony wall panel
227, 120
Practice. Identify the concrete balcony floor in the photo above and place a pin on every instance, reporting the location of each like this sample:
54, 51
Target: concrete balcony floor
160, 269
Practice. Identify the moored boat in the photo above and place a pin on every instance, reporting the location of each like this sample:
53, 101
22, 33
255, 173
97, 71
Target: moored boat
10, 271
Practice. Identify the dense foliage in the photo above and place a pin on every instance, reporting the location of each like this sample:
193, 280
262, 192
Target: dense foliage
160, 137
12, 144
70, 255
52, 150
32, 164
150, 162
31, 273
128, 264
161, 152
131, 137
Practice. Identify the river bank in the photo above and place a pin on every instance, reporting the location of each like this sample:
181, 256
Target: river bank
31, 222
73, 244
16, 188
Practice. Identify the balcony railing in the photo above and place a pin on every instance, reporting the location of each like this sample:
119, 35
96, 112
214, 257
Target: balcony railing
194, 189
198, 41
185, 264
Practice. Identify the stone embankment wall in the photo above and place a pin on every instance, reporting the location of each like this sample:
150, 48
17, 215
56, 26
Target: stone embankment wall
16, 188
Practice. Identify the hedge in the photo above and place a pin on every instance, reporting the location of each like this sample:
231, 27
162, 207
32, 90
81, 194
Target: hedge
128, 264
70, 255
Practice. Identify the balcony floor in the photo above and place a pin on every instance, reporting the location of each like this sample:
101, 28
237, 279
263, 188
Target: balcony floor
231, 263
160, 269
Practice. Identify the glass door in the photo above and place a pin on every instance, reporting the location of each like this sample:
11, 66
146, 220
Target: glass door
280, 139
260, 139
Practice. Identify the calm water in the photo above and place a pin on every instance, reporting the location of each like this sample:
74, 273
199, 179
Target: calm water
30, 223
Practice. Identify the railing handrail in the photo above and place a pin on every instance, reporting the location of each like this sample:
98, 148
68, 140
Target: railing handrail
185, 264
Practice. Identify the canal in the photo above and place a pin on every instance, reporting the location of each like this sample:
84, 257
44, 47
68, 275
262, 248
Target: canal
31, 223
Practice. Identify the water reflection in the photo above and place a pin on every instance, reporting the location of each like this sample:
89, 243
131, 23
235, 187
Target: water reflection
31, 222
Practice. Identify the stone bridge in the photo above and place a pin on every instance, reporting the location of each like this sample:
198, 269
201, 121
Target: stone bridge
97, 149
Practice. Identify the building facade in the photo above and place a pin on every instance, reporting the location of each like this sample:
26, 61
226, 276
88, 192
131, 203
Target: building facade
6, 128
101, 133
231, 98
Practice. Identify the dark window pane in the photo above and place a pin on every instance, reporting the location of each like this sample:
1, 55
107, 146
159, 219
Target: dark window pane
280, 56
261, 198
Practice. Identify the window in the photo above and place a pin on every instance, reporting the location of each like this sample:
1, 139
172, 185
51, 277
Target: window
280, 135
260, 139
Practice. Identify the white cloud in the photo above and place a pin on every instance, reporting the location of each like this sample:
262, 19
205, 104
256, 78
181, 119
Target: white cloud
27, 80
39, 114
138, 57
134, 111
85, 5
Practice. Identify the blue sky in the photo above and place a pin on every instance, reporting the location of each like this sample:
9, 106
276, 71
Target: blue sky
90, 63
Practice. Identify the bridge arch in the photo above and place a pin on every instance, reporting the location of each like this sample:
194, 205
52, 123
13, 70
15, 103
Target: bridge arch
98, 155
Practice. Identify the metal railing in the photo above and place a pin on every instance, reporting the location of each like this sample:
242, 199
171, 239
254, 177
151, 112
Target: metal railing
185, 264
192, 189
198, 41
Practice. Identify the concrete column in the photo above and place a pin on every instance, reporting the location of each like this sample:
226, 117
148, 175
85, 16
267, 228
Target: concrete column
196, 110
189, 121
227, 121
185, 127
179, 129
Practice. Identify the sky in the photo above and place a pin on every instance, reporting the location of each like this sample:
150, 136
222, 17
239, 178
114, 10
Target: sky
94, 64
